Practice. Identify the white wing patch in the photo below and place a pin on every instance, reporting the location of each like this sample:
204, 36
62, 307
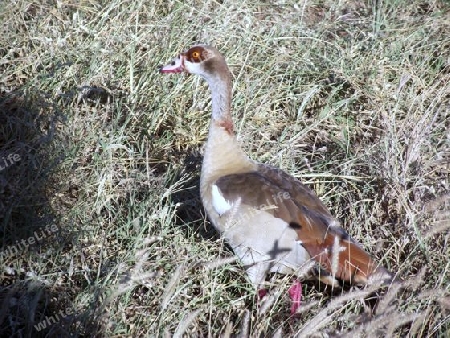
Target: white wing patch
220, 204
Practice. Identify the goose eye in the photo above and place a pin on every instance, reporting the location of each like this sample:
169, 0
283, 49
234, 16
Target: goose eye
196, 55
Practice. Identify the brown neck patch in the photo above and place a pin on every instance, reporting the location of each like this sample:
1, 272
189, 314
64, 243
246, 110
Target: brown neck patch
227, 124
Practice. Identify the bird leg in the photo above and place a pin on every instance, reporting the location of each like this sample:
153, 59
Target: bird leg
262, 293
295, 294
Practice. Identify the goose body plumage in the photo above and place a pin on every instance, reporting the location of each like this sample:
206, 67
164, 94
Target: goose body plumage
272, 221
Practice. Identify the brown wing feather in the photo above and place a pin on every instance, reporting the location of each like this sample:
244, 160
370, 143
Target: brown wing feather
318, 231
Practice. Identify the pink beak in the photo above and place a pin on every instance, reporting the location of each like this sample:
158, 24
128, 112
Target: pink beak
176, 66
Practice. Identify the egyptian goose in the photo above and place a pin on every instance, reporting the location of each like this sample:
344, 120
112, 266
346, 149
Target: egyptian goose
272, 221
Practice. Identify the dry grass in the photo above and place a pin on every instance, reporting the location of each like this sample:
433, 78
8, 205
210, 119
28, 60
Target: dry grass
351, 96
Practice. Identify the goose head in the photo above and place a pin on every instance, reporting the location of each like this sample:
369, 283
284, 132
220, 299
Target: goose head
203, 60
207, 62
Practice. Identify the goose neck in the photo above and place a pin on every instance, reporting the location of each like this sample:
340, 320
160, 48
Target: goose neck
220, 87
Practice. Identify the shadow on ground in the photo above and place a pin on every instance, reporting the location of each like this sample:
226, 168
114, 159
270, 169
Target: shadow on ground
31, 305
